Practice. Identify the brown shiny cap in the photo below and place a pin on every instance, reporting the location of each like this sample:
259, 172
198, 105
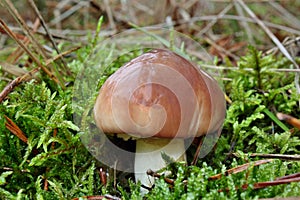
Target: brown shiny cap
160, 94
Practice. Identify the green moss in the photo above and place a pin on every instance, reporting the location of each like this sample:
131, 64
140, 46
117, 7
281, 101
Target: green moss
40, 108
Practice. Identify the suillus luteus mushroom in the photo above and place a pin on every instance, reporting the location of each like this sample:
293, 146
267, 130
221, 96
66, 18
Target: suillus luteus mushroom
159, 98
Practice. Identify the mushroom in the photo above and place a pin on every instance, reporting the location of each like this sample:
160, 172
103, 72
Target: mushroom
159, 99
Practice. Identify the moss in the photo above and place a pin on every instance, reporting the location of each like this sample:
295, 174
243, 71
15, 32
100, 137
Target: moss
54, 164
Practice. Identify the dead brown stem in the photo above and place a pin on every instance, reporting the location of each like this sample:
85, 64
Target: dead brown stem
107, 196
13, 57
103, 176
36, 60
156, 175
9, 87
13, 128
36, 10
278, 181
273, 156
289, 176
240, 168
272, 183
196, 155
14, 12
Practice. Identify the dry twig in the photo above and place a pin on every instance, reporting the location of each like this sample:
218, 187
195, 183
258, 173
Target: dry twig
9, 87
273, 156
106, 197
274, 39
260, 185
289, 119
156, 175
240, 168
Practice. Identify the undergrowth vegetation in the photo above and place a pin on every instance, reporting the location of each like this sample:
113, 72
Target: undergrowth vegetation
54, 164
47, 150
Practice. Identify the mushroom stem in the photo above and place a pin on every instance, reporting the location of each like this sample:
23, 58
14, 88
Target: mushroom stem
148, 156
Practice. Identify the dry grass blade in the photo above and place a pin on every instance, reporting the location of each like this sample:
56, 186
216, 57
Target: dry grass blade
8, 88
220, 15
289, 18
16, 55
36, 45
12, 127
290, 43
227, 98
238, 18
69, 12
244, 24
23, 46
274, 39
19, 36
32, 4
13, 69
57, 12
240, 168
207, 66
61, 55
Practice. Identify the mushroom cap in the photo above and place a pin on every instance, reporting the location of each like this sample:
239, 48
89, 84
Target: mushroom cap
160, 94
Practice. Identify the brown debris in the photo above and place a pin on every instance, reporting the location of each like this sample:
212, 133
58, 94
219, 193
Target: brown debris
13, 128
225, 47
289, 119
9, 87
240, 168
